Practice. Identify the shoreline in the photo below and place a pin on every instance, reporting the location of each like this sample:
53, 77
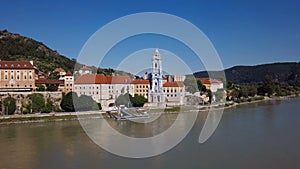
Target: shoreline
72, 116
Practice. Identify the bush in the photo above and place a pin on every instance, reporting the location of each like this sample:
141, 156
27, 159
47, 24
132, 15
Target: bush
37, 102
67, 102
40, 87
9, 105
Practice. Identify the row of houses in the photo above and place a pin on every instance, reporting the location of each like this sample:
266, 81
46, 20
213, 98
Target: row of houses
23, 76
105, 89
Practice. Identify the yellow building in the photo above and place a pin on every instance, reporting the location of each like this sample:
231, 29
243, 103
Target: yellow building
141, 87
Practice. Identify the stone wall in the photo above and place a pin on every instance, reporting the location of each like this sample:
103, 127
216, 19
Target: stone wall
22, 97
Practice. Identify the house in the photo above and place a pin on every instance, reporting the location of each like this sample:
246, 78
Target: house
17, 76
85, 70
211, 84
55, 84
61, 72
141, 87
174, 91
68, 82
103, 89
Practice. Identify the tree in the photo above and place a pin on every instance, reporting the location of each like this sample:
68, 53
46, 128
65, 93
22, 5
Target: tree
138, 101
54, 75
199, 85
48, 107
191, 84
9, 105
210, 95
40, 87
86, 103
52, 88
67, 103
124, 100
37, 102
269, 85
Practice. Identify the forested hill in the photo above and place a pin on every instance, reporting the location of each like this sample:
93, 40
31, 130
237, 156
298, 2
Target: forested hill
16, 47
281, 72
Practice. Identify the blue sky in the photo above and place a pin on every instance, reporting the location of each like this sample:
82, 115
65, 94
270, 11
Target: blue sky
243, 32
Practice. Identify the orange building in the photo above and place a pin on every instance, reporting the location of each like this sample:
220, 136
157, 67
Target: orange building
16, 76
141, 87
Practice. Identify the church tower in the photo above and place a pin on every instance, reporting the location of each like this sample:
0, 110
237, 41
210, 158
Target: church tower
156, 94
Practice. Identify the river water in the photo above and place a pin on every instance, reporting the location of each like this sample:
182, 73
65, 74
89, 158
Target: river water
258, 135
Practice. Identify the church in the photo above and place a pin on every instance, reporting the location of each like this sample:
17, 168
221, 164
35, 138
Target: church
161, 91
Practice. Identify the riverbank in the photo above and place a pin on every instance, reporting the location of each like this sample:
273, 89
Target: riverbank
66, 116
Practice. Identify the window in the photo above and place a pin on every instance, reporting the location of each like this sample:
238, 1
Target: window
5, 77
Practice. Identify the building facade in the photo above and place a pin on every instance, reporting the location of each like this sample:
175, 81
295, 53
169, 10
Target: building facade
103, 89
68, 85
174, 91
141, 87
17, 76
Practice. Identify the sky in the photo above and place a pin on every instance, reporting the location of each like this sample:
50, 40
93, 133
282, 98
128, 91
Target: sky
243, 32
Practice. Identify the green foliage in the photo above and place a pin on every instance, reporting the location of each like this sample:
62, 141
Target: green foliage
191, 84
37, 102
48, 107
284, 72
40, 87
124, 100
209, 95
17, 47
67, 102
54, 75
9, 105
52, 88
138, 101
86, 103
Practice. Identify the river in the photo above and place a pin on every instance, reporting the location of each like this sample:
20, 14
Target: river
254, 136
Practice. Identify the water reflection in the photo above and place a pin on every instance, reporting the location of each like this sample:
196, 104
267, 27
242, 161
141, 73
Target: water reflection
260, 135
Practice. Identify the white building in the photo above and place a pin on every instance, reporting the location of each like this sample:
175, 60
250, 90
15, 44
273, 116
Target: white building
103, 89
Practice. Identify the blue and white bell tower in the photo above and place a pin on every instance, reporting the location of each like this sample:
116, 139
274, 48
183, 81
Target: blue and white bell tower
156, 94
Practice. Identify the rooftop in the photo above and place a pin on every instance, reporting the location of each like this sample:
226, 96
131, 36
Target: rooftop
16, 65
173, 84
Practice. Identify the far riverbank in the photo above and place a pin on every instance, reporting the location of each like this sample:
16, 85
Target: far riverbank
65, 116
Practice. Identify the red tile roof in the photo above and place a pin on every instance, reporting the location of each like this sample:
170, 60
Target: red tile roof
16, 65
85, 68
49, 81
173, 84
208, 81
119, 79
69, 74
101, 79
91, 79
59, 70
140, 81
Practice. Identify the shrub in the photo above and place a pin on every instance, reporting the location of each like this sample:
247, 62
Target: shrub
9, 105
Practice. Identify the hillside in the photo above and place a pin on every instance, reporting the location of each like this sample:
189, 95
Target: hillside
17, 47
282, 72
